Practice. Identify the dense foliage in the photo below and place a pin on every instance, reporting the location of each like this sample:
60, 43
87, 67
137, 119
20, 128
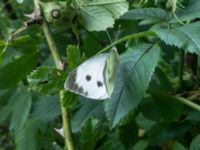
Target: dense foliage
156, 100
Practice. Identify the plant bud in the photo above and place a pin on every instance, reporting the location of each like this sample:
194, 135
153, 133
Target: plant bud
53, 11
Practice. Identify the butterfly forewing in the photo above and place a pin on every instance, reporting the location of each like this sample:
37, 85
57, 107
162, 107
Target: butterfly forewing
88, 78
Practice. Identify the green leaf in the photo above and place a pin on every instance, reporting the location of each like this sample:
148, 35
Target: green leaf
163, 131
106, 146
85, 110
143, 122
25, 44
70, 99
91, 45
136, 68
97, 15
149, 110
193, 115
191, 11
7, 109
89, 134
21, 110
178, 146
15, 71
27, 137
74, 57
141, 144
128, 134
47, 107
163, 79
156, 14
47, 80
186, 37
195, 143
164, 102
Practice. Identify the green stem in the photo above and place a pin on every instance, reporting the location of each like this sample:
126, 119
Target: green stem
188, 103
65, 114
52, 44
185, 101
129, 37
66, 124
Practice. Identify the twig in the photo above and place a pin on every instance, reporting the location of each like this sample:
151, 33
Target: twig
65, 114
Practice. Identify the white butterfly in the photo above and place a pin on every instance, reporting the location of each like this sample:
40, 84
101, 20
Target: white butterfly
95, 77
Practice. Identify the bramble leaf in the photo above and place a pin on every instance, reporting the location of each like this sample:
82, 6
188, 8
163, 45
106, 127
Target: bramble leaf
97, 15
16, 70
47, 80
186, 37
137, 65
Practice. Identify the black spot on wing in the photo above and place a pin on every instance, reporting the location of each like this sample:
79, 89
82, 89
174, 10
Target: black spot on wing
86, 93
71, 81
88, 77
99, 84
80, 89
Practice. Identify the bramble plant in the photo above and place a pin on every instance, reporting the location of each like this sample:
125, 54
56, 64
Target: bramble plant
156, 100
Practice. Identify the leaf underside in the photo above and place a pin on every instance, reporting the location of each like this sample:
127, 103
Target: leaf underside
136, 68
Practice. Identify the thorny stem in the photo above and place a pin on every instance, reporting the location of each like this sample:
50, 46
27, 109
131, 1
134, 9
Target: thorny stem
58, 61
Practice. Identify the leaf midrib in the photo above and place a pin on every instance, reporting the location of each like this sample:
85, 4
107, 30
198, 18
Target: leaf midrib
124, 85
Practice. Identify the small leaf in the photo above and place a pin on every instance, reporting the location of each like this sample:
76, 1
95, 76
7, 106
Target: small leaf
6, 110
193, 115
74, 57
47, 80
163, 131
195, 143
69, 99
89, 134
21, 110
97, 15
178, 146
136, 68
106, 146
169, 107
163, 79
186, 37
150, 111
15, 71
143, 122
47, 107
86, 109
128, 134
141, 145
27, 138
25, 44
156, 14
191, 11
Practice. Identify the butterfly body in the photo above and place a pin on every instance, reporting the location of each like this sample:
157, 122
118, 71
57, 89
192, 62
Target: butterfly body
94, 78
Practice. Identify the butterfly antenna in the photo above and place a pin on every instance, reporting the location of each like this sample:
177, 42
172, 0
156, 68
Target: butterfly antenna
109, 37
118, 33
111, 41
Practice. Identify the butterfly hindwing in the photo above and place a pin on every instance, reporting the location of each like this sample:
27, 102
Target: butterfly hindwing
110, 70
88, 78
